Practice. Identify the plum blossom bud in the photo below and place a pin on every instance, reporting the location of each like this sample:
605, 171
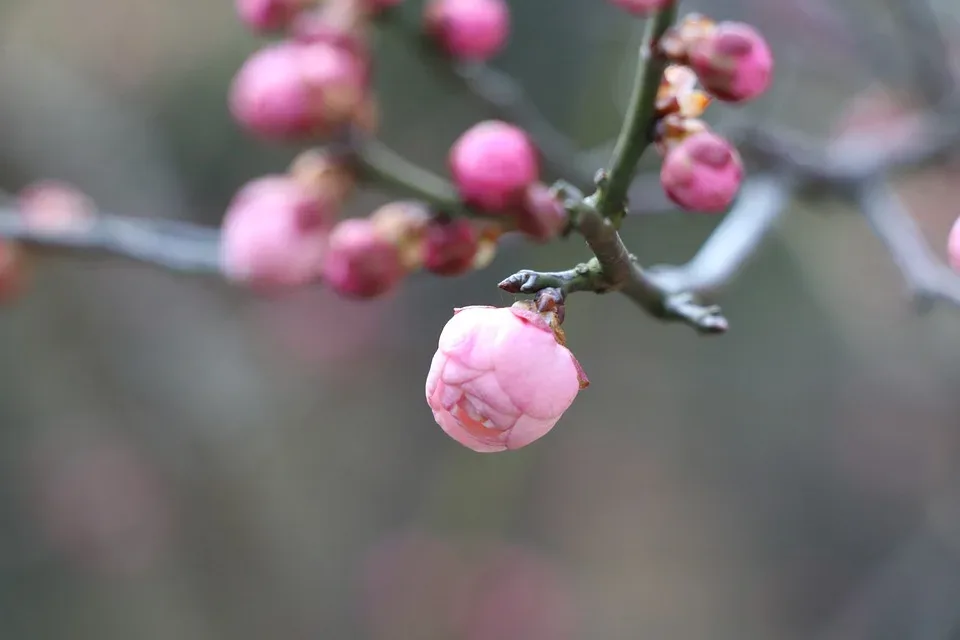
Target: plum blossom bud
326, 174
953, 245
275, 234
404, 224
500, 378
733, 61
450, 246
642, 7
269, 15
702, 173
341, 23
542, 216
468, 29
677, 41
291, 90
50, 205
492, 163
361, 262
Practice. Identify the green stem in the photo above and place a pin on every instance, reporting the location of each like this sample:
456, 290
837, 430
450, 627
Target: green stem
634, 135
385, 166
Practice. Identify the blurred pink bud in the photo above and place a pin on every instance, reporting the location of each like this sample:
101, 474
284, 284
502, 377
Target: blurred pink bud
500, 379
450, 247
53, 206
468, 29
268, 15
542, 216
733, 61
404, 224
275, 234
953, 245
702, 173
361, 261
291, 90
492, 163
642, 7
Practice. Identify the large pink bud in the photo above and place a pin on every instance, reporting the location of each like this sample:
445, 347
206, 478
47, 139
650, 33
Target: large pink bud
468, 29
362, 262
733, 62
293, 89
953, 245
500, 379
642, 7
702, 173
275, 234
492, 165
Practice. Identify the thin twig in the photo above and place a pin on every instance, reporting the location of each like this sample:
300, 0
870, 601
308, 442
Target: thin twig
927, 277
177, 246
761, 202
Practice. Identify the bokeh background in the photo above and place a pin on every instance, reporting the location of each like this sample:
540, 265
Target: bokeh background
183, 460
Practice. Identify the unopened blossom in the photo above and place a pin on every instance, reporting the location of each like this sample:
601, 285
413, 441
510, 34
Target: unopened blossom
292, 90
450, 246
275, 234
542, 216
492, 163
702, 173
500, 378
953, 245
468, 29
361, 261
733, 61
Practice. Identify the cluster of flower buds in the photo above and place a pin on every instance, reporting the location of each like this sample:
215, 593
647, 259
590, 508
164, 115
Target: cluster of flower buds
726, 61
284, 230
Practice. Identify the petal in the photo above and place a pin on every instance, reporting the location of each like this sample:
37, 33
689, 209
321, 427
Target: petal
528, 429
487, 391
452, 427
538, 374
455, 372
433, 375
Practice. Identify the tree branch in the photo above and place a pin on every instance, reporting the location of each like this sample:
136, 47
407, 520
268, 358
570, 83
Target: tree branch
636, 132
928, 278
177, 246
762, 200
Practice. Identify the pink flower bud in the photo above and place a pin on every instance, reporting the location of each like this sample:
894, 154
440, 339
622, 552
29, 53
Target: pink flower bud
291, 90
492, 163
361, 261
953, 245
268, 15
642, 7
56, 206
733, 62
542, 216
468, 29
500, 379
275, 234
450, 247
702, 173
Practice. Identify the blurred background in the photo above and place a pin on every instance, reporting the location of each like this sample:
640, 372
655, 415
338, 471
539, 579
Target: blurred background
179, 459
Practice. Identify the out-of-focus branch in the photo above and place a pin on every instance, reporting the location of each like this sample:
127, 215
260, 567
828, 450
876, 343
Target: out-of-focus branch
928, 278
760, 204
168, 244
